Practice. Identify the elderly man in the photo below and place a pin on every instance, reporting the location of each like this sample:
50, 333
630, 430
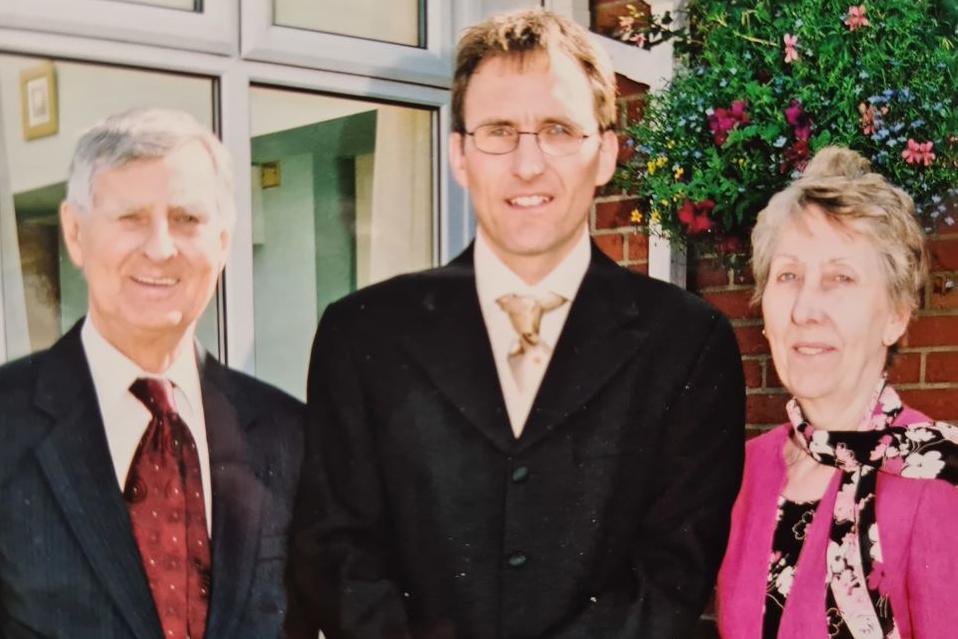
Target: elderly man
531, 441
145, 489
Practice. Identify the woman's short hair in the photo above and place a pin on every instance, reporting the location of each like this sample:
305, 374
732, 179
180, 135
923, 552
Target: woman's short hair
145, 134
527, 31
841, 183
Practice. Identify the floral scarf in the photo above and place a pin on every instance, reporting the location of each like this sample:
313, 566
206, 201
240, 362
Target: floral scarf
856, 605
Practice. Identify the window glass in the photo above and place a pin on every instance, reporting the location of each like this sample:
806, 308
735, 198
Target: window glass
399, 21
342, 198
185, 5
44, 107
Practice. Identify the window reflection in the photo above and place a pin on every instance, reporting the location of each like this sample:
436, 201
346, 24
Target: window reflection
398, 21
184, 5
43, 294
342, 198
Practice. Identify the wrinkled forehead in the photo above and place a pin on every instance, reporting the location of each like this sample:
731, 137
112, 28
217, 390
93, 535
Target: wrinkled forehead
185, 176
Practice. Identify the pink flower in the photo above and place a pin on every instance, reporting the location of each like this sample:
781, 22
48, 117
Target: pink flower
724, 120
846, 508
879, 451
791, 53
797, 118
856, 18
919, 152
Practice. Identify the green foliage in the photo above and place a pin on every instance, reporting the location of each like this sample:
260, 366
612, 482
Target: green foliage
721, 131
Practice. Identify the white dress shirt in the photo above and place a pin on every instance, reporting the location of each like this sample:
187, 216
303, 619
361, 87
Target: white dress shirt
493, 280
126, 419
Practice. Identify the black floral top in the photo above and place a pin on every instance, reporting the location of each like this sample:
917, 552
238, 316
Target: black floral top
793, 520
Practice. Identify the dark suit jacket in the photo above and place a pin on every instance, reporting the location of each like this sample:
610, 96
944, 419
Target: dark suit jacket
421, 515
69, 565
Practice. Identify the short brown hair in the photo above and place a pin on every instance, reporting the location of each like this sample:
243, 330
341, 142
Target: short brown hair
530, 30
842, 184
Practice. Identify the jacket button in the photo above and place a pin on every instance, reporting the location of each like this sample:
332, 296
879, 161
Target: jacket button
520, 474
518, 559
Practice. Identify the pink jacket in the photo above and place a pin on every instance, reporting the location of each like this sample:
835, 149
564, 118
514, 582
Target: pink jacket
919, 536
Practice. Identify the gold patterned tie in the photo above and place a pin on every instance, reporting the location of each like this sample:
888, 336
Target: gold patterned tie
530, 355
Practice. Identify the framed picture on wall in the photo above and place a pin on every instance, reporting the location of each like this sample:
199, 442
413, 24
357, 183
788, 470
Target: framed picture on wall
38, 101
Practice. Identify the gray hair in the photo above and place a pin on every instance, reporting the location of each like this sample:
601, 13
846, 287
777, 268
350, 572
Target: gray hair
841, 182
141, 134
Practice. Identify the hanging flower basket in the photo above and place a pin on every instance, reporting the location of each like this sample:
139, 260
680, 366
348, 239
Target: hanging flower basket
761, 85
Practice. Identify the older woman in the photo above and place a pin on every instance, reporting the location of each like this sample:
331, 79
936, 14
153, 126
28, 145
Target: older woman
847, 521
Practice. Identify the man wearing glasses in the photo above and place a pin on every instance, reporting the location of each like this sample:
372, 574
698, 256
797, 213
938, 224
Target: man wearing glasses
530, 441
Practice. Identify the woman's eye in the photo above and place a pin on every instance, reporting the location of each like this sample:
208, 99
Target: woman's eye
786, 276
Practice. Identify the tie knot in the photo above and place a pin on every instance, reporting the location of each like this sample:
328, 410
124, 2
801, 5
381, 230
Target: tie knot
525, 312
156, 394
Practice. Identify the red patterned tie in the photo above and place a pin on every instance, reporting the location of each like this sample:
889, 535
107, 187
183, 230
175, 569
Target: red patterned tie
164, 494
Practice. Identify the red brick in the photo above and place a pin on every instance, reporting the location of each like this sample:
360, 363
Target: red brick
629, 88
707, 273
640, 268
944, 254
753, 431
734, 304
612, 245
942, 298
634, 109
614, 214
638, 246
742, 275
750, 340
906, 369
753, 373
931, 330
766, 409
937, 403
942, 367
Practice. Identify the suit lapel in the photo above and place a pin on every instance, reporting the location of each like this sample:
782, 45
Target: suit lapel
601, 333
76, 459
238, 493
452, 345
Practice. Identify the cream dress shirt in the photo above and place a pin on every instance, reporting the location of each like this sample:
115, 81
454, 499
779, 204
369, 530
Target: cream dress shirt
125, 418
493, 280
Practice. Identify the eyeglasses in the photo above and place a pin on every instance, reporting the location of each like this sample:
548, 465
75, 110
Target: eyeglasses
553, 139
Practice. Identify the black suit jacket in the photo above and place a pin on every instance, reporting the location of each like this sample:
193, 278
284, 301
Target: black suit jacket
69, 564
421, 515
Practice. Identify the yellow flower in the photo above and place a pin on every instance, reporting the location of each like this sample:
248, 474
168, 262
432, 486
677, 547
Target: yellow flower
661, 161
636, 216
655, 217
678, 172
670, 144
651, 166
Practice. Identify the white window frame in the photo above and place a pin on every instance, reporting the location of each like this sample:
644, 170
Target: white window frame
451, 218
653, 68
214, 30
431, 66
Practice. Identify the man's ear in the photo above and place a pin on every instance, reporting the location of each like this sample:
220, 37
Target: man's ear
457, 159
608, 155
71, 224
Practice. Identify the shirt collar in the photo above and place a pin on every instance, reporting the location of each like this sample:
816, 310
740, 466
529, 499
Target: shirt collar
494, 279
113, 372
